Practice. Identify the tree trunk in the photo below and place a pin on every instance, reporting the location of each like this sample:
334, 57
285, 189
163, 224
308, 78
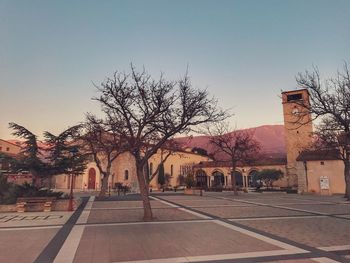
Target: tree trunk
233, 180
147, 210
35, 178
104, 185
347, 179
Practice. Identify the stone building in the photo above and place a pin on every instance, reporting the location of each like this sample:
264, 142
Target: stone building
297, 137
308, 171
123, 171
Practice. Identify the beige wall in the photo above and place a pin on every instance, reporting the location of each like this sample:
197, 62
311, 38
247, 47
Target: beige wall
173, 163
333, 169
81, 181
126, 162
9, 148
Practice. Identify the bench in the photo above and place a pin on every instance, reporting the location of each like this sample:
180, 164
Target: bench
24, 202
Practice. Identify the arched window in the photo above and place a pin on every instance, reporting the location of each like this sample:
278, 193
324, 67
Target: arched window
171, 170
150, 169
126, 175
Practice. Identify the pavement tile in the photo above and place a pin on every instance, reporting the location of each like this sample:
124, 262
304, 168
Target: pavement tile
33, 219
126, 204
187, 198
316, 232
293, 260
344, 216
136, 215
324, 208
155, 241
212, 202
246, 212
23, 246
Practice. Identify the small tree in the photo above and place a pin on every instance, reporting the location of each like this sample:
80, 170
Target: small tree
30, 157
235, 146
152, 112
269, 176
189, 180
161, 175
55, 158
200, 151
329, 101
65, 155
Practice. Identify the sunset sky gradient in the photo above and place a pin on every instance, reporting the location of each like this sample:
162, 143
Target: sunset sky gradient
243, 52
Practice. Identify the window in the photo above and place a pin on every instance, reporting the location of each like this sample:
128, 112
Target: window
322, 163
126, 175
0, 148
292, 97
171, 170
7, 149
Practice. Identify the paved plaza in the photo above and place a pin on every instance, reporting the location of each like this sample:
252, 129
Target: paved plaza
215, 227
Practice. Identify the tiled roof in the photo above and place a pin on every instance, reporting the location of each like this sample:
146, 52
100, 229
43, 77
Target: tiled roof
260, 162
315, 155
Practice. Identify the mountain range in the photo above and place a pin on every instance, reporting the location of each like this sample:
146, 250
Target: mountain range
270, 137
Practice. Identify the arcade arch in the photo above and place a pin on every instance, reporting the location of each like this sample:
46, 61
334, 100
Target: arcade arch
201, 178
219, 178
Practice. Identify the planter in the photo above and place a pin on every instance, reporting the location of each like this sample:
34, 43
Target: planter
192, 191
8, 208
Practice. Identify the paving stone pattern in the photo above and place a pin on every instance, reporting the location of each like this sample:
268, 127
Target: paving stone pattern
216, 227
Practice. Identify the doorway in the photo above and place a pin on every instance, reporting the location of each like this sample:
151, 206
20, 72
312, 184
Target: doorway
92, 179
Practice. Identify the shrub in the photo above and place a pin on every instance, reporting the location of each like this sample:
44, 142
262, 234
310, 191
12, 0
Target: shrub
189, 181
268, 176
9, 192
161, 175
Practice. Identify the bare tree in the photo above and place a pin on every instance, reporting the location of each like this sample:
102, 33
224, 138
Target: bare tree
168, 148
330, 102
235, 146
152, 112
102, 143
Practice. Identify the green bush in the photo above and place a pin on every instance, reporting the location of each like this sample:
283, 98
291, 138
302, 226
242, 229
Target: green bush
161, 175
189, 181
9, 192
269, 176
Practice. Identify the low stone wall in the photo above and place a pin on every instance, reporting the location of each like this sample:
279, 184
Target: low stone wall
192, 191
59, 205
8, 208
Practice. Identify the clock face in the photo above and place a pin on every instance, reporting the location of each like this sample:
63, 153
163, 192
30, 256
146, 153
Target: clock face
295, 111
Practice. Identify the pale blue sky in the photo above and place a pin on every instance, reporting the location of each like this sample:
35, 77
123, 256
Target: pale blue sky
243, 52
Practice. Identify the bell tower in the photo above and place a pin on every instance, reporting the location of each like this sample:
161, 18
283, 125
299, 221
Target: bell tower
297, 129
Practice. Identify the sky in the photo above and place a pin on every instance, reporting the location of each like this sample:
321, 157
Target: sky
243, 52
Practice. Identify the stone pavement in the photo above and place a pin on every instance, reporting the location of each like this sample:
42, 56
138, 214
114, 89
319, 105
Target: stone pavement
216, 227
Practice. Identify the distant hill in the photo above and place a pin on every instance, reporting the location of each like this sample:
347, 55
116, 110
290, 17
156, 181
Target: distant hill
271, 138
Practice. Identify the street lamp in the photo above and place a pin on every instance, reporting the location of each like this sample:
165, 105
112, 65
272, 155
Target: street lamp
73, 151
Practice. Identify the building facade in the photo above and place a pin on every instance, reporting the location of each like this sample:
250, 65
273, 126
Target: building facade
308, 171
123, 171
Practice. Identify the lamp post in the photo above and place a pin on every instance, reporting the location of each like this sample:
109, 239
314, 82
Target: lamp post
73, 151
